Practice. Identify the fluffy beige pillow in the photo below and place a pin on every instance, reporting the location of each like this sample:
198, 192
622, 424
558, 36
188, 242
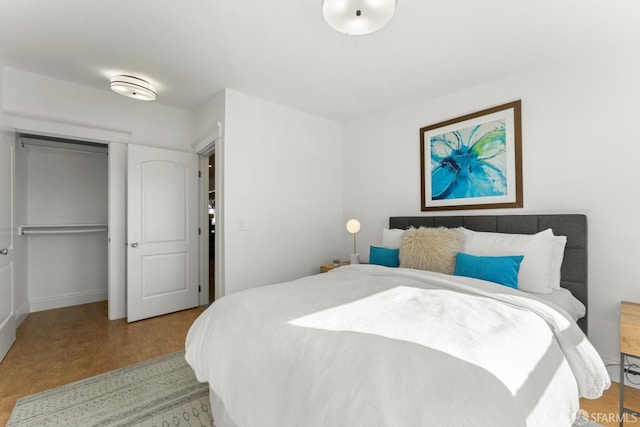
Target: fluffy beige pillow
431, 249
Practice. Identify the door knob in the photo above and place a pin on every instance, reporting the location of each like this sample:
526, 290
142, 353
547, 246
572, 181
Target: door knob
4, 251
134, 245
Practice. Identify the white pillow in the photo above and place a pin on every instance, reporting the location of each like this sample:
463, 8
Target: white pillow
535, 269
557, 255
391, 238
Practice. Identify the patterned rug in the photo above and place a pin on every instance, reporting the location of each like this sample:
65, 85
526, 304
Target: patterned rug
583, 421
158, 392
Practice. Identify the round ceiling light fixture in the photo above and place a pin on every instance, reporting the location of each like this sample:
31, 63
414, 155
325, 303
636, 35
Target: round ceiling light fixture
358, 17
133, 87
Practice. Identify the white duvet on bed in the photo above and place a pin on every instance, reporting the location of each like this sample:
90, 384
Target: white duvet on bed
366, 345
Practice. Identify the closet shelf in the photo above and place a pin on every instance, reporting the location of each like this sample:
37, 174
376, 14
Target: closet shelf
61, 228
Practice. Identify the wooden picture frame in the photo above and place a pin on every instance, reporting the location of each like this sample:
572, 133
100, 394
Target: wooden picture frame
473, 161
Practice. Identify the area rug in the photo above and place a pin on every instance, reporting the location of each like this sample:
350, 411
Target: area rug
583, 420
158, 392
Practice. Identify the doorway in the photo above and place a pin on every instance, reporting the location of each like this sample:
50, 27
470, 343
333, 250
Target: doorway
212, 226
210, 149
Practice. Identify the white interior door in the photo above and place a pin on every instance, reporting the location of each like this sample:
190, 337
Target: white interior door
7, 315
162, 231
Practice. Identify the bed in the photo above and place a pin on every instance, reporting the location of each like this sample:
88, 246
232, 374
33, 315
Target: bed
370, 345
574, 275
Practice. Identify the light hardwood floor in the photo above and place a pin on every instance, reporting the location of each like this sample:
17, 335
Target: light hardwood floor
60, 346
606, 409
56, 347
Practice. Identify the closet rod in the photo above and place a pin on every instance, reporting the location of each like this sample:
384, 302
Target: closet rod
62, 229
64, 145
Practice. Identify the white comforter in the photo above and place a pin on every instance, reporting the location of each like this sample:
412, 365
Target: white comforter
368, 346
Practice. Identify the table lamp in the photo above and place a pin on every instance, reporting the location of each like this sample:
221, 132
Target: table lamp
353, 226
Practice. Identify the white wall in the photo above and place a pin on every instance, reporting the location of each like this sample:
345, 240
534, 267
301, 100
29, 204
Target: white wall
209, 114
283, 192
580, 152
66, 187
34, 102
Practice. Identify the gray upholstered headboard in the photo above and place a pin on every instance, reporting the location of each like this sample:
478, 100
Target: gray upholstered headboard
574, 226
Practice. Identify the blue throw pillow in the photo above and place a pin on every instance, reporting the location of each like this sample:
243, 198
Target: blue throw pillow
384, 256
497, 269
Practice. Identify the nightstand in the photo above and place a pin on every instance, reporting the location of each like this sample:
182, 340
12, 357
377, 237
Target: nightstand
327, 267
629, 345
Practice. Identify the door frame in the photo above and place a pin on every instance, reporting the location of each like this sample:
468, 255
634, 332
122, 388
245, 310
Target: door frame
9, 324
117, 229
90, 132
209, 143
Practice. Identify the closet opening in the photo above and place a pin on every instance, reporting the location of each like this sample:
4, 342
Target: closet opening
62, 216
212, 226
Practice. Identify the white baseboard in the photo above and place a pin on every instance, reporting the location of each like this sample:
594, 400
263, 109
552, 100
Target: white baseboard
21, 313
67, 300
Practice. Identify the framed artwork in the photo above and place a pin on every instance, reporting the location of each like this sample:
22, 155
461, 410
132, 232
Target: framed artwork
473, 161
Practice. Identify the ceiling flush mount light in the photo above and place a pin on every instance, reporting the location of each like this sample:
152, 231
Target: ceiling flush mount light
133, 87
357, 17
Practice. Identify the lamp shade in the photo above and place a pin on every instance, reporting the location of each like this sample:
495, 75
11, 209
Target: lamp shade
353, 226
133, 87
357, 17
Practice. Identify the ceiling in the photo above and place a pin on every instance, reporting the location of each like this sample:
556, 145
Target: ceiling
284, 52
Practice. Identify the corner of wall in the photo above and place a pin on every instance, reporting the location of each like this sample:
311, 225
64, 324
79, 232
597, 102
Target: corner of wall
21, 313
209, 114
